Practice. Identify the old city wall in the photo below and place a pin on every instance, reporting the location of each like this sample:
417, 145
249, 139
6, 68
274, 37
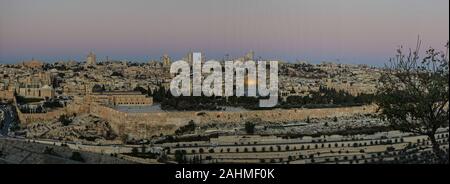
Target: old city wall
27, 118
140, 125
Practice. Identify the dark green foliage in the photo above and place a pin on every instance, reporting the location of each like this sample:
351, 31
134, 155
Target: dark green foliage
48, 150
180, 156
140, 89
65, 120
135, 150
249, 127
118, 74
77, 157
327, 97
189, 128
98, 88
23, 100
52, 104
308, 120
323, 98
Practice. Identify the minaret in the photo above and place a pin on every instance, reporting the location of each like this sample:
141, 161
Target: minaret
250, 56
91, 59
166, 60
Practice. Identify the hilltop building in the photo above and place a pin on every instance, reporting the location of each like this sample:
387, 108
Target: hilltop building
91, 59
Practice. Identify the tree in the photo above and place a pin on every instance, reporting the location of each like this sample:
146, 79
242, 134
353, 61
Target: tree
308, 120
98, 88
65, 120
190, 127
77, 157
335, 119
413, 95
140, 89
290, 158
135, 150
249, 127
180, 157
49, 151
124, 138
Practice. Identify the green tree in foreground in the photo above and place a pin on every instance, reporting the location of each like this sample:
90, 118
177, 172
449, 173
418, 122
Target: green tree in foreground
413, 94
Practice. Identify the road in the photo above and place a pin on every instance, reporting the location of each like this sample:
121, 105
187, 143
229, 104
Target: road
9, 120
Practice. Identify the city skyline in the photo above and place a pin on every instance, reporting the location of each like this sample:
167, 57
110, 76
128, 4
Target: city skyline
357, 32
224, 82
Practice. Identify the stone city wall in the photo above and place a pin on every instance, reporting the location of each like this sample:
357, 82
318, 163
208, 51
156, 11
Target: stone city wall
144, 125
27, 118
140, 125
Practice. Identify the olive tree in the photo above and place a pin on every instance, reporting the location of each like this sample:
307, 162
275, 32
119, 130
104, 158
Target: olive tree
413, 92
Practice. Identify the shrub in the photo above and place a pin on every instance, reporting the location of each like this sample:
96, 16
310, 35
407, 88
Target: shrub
249, 127
65, 120
134, 150
77, 157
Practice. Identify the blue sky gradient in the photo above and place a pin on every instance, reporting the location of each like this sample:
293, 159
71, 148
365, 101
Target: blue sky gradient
350, 31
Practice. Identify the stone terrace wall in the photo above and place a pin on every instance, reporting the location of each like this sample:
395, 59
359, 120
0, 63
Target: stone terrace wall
284, 114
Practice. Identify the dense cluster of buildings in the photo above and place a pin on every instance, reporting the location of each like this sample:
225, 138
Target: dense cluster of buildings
120, 98
36, 79
93, 90
301, 78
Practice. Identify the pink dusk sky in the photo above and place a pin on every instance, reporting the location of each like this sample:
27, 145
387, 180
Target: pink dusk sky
348, 31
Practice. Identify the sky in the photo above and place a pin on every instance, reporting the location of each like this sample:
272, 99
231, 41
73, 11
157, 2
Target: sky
347, 31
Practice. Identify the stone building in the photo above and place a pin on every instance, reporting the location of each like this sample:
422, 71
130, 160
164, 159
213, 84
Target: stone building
120, 98
6, 92
33, 63
36, 86
91, 59
248, 57
75, 89
189, 58
166, 61
36, 91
